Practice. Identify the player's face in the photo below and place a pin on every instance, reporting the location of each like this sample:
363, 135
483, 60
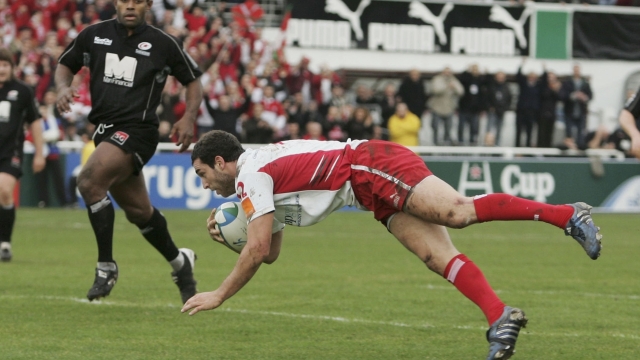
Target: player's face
131, 12
5, 71
214, 179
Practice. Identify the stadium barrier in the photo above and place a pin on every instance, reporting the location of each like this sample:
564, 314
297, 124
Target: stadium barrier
603, 178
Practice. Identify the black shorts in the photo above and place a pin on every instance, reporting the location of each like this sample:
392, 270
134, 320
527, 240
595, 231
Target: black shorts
11, 166
139, 139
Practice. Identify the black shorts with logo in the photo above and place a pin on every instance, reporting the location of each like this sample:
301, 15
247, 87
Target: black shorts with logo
139, 139
11, 166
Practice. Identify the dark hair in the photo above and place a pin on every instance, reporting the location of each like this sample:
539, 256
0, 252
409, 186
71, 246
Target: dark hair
216, 143
6, 55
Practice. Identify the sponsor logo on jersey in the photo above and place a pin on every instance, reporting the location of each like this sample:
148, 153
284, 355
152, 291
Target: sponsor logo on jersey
144, 46
245, 201
120, 137
12, 95
141, 52
102, 41
119, 72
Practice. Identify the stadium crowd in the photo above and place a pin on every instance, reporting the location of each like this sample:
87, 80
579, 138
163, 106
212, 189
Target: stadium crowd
252, 91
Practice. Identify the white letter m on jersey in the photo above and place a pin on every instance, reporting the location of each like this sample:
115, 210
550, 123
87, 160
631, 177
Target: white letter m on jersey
120, 69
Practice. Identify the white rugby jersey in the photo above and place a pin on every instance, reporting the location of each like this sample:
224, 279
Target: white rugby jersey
302, 180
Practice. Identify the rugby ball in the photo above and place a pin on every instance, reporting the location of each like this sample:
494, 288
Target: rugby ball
232, 223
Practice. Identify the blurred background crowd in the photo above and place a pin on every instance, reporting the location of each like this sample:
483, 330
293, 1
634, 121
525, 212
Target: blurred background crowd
252, 91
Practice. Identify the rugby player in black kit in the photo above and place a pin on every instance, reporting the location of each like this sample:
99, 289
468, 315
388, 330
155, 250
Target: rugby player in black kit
129, 62
17, 107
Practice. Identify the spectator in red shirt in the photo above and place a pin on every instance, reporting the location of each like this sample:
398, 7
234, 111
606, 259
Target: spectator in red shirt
21, 14
247, 14
273, 112
196, 20
228, 70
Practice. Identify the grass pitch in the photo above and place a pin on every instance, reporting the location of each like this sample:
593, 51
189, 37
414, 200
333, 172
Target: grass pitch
342, 289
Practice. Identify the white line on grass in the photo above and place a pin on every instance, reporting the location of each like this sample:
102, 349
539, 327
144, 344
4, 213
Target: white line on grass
330, 318
306, 316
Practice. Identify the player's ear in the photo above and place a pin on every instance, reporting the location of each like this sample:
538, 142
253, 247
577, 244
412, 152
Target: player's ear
218, 162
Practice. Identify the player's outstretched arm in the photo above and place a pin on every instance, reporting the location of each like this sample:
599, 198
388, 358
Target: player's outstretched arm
628, 124
252, 256
184, 127
66, 93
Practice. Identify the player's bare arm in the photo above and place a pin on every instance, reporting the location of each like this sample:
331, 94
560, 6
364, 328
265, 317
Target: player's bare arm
628, 124
66, 93
184, 127
276, 238
252, 256
38, 142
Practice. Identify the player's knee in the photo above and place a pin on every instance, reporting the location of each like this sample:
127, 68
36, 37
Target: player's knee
89, 188
138, 216
458, 222
459, 216
85, 185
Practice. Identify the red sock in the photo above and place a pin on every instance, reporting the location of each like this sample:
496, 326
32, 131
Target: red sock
507, 207
470, 281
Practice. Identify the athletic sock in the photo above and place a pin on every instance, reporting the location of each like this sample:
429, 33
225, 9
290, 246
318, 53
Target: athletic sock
507, 207
470, 281
157, 234
7, 220
101, 216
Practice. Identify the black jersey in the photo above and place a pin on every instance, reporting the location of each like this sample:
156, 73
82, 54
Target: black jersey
128, 73
17, 107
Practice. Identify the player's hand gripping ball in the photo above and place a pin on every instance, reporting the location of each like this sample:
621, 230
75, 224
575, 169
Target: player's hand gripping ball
232, 223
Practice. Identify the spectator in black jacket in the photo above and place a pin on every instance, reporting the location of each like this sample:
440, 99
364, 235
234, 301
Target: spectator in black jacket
360, 126
549, 97
528, 108
472, 104
499, 98
388, 101
225, 117
256, 130
413, 93
576, 94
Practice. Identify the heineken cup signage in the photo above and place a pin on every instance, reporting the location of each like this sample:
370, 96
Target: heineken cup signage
512, 180
538, 185
550, 181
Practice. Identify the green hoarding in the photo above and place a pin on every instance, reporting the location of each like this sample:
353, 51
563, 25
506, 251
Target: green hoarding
609, 184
